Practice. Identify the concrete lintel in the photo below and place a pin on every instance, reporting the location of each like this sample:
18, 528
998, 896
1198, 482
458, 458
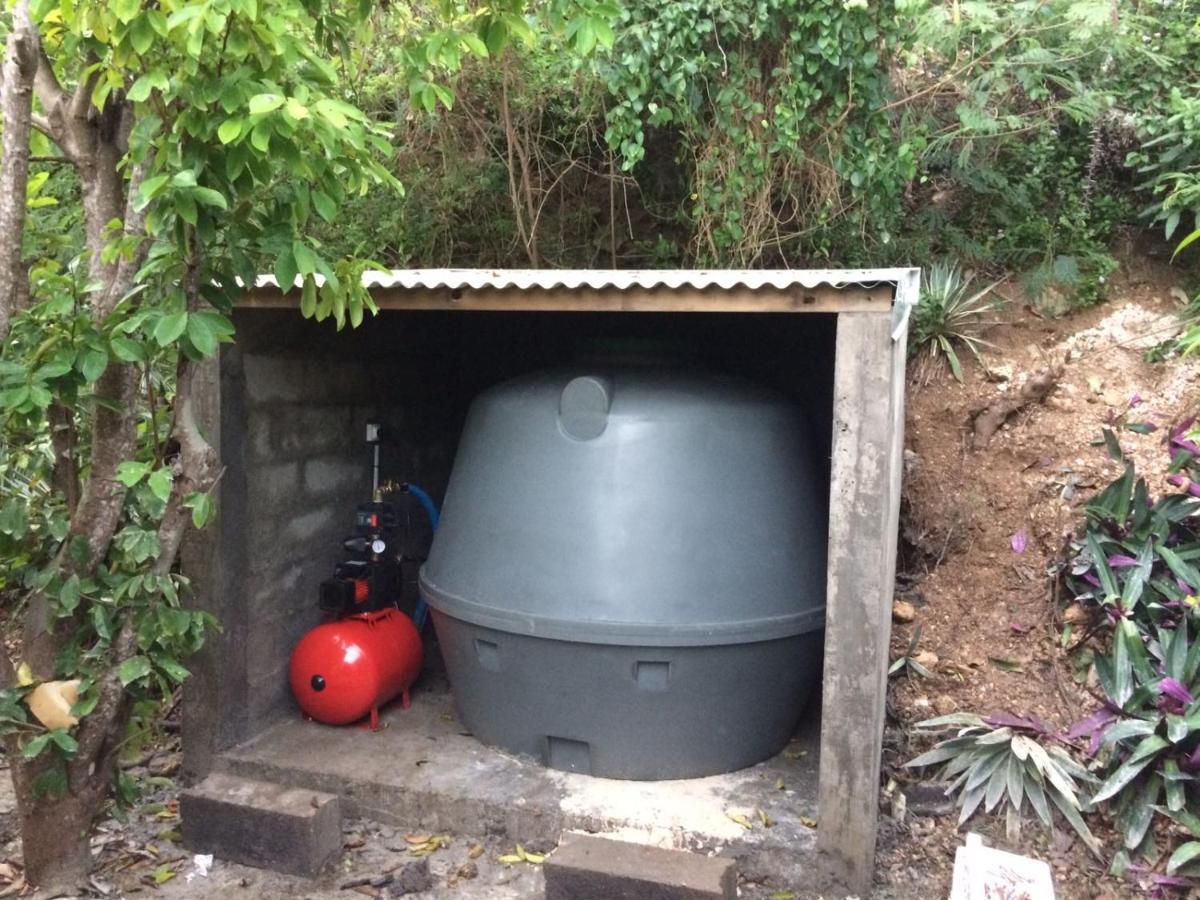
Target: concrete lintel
867, 452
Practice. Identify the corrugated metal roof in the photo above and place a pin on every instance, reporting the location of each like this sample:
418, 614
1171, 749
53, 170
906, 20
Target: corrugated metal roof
620, 279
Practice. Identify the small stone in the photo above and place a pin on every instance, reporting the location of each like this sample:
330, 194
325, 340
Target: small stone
1075, 614
1095, 384
899, 806
922, 705
903, 611
999, 372
928, 800
504, 876
944, 704
927, 658
412, 879
164, 765
468, 870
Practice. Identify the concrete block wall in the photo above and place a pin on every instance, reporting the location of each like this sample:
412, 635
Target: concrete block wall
295, 398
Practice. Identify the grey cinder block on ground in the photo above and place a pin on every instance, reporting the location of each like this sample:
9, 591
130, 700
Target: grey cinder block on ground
592, 868
262, 824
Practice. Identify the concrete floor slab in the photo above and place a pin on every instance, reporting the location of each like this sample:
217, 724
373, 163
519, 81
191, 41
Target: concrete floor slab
423, 769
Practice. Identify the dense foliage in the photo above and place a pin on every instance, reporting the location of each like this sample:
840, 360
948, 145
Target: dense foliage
1011, 136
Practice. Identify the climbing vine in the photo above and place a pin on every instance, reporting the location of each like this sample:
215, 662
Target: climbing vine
783, 109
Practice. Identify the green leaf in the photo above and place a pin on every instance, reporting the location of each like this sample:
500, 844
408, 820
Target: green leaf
1135, 818
285, 270
92, 363
1173, 783
1186, 242
68, 597
260, 137
1183, 855
126, 350
34, 747
170, 327
261, 104
308, 297
201, 335
51, 783
141, 89
326, 208
1188, 820
475, 45
1103, 572
229, 131
1071, 814
209, 197
14, 518
160, 483
141, 34
64, 741
201, 505
1142, 757
1112, 445
171, 667
151, 188
130, 473
133, 668
306, 261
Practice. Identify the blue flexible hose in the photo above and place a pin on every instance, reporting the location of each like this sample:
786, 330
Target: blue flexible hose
426, 501
421, 613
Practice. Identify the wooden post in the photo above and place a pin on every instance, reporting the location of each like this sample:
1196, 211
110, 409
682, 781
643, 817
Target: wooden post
868, 428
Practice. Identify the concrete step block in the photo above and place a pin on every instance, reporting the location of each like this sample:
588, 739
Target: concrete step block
262, 824
593, 868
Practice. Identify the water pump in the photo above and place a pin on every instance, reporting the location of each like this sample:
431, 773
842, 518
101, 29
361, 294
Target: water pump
368, 579
369, 652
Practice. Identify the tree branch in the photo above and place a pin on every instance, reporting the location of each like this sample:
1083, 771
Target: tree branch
95, 728
50, 93
42, 124
134, 224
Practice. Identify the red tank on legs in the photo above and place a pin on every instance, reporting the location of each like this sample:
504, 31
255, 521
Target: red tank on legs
347, 669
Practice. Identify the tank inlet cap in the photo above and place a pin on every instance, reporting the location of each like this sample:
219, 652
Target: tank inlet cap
583, 407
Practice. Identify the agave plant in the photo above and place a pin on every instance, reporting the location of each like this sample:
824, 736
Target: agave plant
907, 663
1001, 762
949, 314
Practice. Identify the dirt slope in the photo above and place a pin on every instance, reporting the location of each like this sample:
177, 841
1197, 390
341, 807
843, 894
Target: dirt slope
986, 611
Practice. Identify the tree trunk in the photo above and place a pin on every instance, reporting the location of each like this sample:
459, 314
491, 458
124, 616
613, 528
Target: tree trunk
16, 107
56, 841
55, 833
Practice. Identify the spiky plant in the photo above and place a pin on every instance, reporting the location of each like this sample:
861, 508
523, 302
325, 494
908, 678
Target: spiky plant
949, 315
1008, 762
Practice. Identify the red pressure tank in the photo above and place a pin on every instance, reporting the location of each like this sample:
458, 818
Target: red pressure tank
346, 669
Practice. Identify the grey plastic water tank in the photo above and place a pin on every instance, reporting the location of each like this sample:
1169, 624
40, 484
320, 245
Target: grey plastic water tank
628, 579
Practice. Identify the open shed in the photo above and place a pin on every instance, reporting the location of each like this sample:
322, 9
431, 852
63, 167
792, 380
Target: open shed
287, 406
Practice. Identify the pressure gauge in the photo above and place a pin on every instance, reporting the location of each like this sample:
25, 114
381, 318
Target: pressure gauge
378, 546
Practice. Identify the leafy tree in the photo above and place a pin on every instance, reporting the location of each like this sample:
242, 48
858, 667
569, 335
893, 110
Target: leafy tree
209, 139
